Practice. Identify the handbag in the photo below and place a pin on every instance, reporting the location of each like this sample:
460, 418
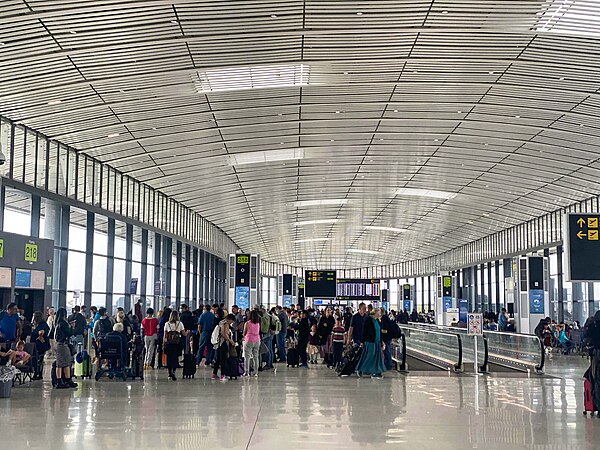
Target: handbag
263, 348
233, 351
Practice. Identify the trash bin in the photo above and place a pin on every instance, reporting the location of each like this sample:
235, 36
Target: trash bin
5, 389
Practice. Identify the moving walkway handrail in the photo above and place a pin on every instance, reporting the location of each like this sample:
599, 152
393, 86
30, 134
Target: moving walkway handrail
459, 363
520, 364
400, 362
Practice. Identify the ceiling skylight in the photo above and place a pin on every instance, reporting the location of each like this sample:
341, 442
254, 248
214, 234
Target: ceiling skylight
415, 192
300, 241
252, 77
390, 229
316, 222
324, 202
286, 154
365, 252
578, 17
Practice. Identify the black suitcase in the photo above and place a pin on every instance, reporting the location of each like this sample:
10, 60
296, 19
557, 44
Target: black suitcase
189, 365
293, 358
232, 369
136, 369
349, 362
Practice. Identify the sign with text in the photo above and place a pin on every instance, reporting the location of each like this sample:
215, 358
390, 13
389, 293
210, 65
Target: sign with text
582, 247
447, 303
475, 324
133, 286
1, 248
536, 301
31, 252
406, 292
22, 278
320, 283
358, 289
446, 286
242, 297
242, 270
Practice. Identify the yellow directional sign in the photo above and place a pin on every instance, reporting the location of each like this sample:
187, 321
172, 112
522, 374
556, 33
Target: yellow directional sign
593, 235
581, 234
583, 247
592, 222
581, 222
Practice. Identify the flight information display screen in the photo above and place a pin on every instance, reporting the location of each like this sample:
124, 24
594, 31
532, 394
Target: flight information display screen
358, 289
319, 283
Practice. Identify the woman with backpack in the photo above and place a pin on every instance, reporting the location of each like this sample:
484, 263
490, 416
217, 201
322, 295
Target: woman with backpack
224, 340
173, 332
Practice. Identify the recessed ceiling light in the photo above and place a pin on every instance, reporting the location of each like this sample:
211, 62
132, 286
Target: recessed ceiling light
322, 202
431, 193
491, 72
337, 112
436, 140
390, 229
443, 180
444, 12
266, 156
174, 21
415, 71
331, 140
395, 110
469, 221
273, 16
73, 32
561, 79
366, 252
154, 128
517, 117
112, 135
485, 145
486, 215
316, 222
54, 102
359, 13
345, 73
2, 43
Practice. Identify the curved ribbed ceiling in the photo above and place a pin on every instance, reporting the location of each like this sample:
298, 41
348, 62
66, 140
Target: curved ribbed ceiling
322, 133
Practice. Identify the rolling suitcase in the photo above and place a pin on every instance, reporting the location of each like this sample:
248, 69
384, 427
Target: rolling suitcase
349, 362
189, 362
293, 358
588, 399
83, 363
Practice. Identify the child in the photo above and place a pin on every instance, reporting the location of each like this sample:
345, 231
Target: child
313, 345
338, 337
21, 356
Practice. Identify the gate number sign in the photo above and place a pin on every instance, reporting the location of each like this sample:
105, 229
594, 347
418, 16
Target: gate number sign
31, 252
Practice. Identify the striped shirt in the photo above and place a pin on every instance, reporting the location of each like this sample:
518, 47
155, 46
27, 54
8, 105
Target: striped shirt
338, 334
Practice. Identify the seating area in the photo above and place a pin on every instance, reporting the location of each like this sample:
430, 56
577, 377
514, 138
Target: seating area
27, 370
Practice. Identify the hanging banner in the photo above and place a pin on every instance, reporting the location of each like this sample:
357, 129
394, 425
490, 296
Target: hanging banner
463, 310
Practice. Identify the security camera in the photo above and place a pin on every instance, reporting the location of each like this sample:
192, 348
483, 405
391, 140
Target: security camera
2, 156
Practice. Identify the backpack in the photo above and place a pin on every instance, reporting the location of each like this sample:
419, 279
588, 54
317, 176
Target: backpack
215, 338
275, 325
104, 327
173, 337
393, 330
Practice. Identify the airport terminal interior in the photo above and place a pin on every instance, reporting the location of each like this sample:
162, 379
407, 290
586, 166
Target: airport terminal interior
300, 224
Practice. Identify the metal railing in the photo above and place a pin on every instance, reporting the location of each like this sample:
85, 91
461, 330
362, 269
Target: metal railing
438, 348
399, 352
523, 352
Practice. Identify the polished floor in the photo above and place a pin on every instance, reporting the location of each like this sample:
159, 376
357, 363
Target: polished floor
307, 409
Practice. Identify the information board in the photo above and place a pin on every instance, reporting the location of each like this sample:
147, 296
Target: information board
358, 289
1, 248
320, 283
475, 324
22, 278
582, 247
242, 297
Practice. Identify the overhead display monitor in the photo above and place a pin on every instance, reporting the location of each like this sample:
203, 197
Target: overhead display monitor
358, 289
582, 247
320, 283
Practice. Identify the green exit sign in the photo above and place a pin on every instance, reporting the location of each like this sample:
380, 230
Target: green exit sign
1, 248
31, 252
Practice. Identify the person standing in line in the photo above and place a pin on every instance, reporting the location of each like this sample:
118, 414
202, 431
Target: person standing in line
225, 341
206, 325
371, 360
338, 337
149, 329
10, 324
267, 339
324, 328
64, 359
173, 332
39, 336
283, 318
160, 334
357, 325
303, 337
252, 344
50, 320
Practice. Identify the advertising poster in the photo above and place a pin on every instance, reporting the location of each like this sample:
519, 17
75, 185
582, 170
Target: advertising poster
536, 301
242, 297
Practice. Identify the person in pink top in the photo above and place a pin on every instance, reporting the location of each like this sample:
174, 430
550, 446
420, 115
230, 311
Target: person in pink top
252, 343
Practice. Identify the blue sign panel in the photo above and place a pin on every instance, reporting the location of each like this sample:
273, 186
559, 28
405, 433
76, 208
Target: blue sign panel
386, 306
133, 286
406, 305
287, 301
463, 309
536, 301
22, 278
447, 303
242, 297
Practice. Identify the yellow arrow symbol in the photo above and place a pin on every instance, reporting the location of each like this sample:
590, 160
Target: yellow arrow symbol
581, 234
580, 222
